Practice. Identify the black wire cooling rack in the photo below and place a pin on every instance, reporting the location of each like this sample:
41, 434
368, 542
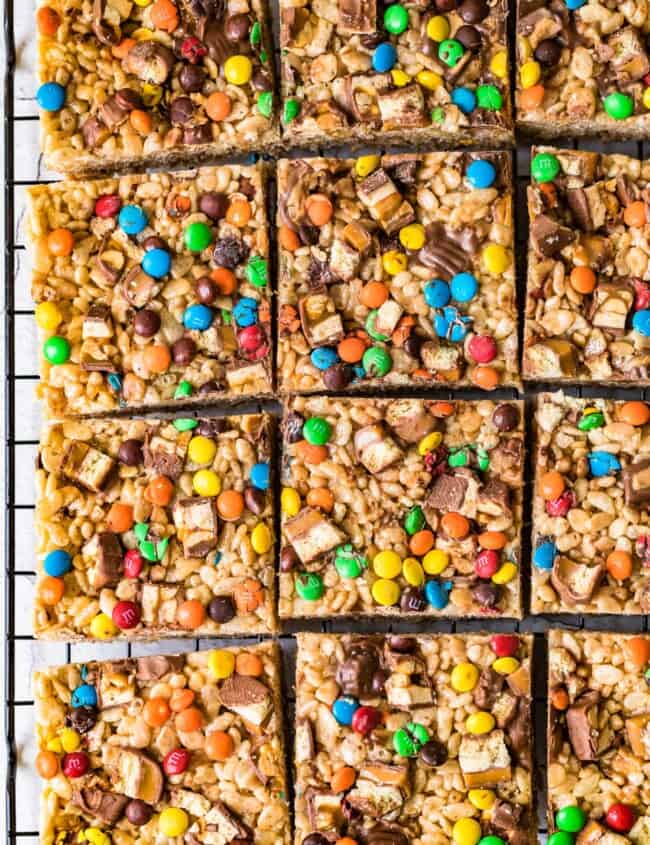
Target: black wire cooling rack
22, 653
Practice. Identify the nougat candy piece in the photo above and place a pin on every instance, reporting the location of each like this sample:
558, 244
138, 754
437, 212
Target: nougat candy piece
87, 466
312, 535
375, 449
386, 205
321, 322
484, 760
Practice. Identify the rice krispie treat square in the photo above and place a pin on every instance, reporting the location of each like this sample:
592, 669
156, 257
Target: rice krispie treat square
152, 82
588, 301
151, 528
175, 748
583, 68
152, 289
591, 526
598, 738
413, 72
409, 506
396, 270
414, 739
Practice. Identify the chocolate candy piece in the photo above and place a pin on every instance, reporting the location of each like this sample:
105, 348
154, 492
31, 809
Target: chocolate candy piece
213, 426
154, 242
548, 52
214, 205
356, 673
433, 753
260, 81
146, 323
221, 609
183, 351
293, 425
237, 27
506, 417
473, 11
201, 134
413, 345
138, 813
206, 290
255, 500
487, 594
192, 78
130, 452
469, 37
288, 559
82, 719
128, 99
337, 377
211, 386
402, 645
181, 111
413, 600
229, 252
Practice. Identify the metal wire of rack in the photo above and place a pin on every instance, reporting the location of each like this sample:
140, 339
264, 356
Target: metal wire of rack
21, 651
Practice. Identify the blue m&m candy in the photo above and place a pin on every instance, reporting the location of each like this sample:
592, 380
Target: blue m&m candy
245, 312
384, 57
574, 4
260, 476
481, 174
132, 219
84, 696
641, 322
344, 709
465, 99
324, 357
545, 555
464, 287
451, 324
437, 293
157, 263
198, 317
437, 593
57, 563
51, 96
603, 463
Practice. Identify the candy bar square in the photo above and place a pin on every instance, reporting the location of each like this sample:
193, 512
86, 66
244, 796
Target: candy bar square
178, 748
591, 526
151, 290
582, 69
401, 739
396, 270
124, 85
154, 528
413, 73
407, 507
598, 737
588, 301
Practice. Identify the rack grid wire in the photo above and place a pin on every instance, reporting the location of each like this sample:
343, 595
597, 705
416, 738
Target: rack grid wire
22, 653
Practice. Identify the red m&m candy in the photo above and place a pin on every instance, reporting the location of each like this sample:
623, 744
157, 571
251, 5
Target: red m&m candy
75, 764
126, 614
176, 761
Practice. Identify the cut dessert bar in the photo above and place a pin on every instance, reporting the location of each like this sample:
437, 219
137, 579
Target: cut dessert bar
418, 72
598, 738
414, 739
151, 289
175, 748
588, 303
150, 528
408, 507
591, 525
583, 68
126, 85
396, 270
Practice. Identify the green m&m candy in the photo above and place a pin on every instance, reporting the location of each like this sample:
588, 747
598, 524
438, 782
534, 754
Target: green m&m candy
257, 271
290, 111
438, 115
256, 34
377, 362
544, 167
197, 236
561, 837
265, 104
56, 350
594, 419
491, 840
483, 458
370, 327
184, 389
459, 458
309, 586
570, 819
618, 105
396, 19
317, 431
408, 741
489, 97
348, 563
414, 521
450, 52
185, 424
